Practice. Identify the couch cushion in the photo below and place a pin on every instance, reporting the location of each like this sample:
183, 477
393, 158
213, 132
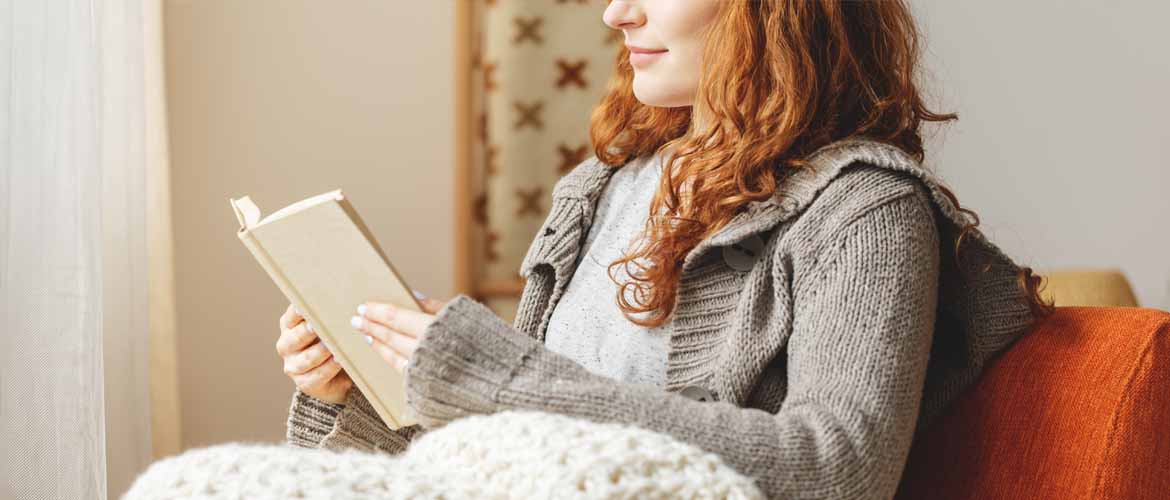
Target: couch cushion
1075, 409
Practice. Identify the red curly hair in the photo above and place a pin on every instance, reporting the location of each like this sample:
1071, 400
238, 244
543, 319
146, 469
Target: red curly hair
805, 73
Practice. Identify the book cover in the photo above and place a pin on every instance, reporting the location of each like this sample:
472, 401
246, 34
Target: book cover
324, 259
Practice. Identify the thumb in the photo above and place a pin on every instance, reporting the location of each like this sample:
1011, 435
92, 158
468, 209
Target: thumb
429, 305
432, 306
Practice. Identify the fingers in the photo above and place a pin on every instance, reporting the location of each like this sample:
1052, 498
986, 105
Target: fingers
432, 306
396, 360
307, 359
340, 383
290, 318
293, 340
319, 377
409, 322
403, 344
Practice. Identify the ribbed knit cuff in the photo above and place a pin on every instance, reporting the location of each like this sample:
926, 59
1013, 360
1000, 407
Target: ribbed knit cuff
309, 420
465, 357
359, 426
314, 423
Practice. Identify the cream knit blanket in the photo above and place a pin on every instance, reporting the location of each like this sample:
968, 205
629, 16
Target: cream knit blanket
512, 454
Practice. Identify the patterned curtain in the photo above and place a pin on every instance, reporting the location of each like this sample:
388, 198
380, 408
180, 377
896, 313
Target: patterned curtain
539, 67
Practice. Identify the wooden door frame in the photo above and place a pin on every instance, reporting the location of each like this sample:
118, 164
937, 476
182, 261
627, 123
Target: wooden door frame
464, 190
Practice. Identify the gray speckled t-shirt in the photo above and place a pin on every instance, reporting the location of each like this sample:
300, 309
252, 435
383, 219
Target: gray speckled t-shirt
587, 325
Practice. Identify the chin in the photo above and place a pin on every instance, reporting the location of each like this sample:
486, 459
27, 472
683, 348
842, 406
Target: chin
652, 95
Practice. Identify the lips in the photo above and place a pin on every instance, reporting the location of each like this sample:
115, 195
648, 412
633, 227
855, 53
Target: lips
640, 57
640, 50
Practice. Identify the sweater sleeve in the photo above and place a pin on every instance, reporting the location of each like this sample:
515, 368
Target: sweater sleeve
313, 423
856, 364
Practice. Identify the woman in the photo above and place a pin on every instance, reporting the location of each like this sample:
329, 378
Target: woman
805, 299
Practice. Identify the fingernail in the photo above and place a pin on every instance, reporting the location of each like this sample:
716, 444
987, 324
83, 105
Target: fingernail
369, 340
418, 295
296, 311
308, 326
356, 321
361, 309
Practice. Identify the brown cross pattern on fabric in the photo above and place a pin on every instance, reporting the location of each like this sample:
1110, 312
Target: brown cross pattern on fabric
489, 160
529, 201
483, 131
529, 115
528, 29
571, 73
490, 3
479, 212
489, 77
490, 246
570, 157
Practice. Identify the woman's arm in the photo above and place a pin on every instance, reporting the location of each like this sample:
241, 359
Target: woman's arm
856, 362
313, 423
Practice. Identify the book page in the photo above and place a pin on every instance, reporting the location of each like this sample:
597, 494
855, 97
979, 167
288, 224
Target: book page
301, 205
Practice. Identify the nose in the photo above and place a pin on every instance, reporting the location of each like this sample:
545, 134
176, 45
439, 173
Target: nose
623, 14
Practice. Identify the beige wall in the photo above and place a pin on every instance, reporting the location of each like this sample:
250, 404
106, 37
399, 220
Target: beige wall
1062, 144
280, 100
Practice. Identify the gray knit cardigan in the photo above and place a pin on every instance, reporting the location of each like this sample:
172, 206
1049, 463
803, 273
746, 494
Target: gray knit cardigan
809, 371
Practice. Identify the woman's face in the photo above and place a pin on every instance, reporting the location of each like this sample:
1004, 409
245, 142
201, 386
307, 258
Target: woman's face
669, 35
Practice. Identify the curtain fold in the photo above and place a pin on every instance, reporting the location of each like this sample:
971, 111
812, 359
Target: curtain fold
74, 365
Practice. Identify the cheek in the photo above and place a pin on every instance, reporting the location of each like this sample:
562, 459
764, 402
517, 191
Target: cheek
682, 22
681, 27
686, 64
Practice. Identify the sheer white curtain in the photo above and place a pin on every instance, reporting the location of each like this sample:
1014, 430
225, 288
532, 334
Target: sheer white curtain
74, 381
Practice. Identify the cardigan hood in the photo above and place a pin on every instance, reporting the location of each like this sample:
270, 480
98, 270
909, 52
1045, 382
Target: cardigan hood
981, 307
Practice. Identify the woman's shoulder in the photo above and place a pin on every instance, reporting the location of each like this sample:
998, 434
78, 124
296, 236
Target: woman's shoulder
859, 189
898, 202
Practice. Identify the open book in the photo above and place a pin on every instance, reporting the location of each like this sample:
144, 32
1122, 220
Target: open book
324, 259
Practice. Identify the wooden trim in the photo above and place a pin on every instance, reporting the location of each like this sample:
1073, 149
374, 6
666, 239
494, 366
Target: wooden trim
464, 191
501, 288
166, 430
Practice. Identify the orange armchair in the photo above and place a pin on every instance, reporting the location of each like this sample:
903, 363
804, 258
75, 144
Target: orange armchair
1078, 408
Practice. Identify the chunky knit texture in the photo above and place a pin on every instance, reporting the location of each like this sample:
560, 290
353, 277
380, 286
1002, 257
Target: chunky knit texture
854, 329
506, 455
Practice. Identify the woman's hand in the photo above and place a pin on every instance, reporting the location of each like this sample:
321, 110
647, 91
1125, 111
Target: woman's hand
394, 332
308, 362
